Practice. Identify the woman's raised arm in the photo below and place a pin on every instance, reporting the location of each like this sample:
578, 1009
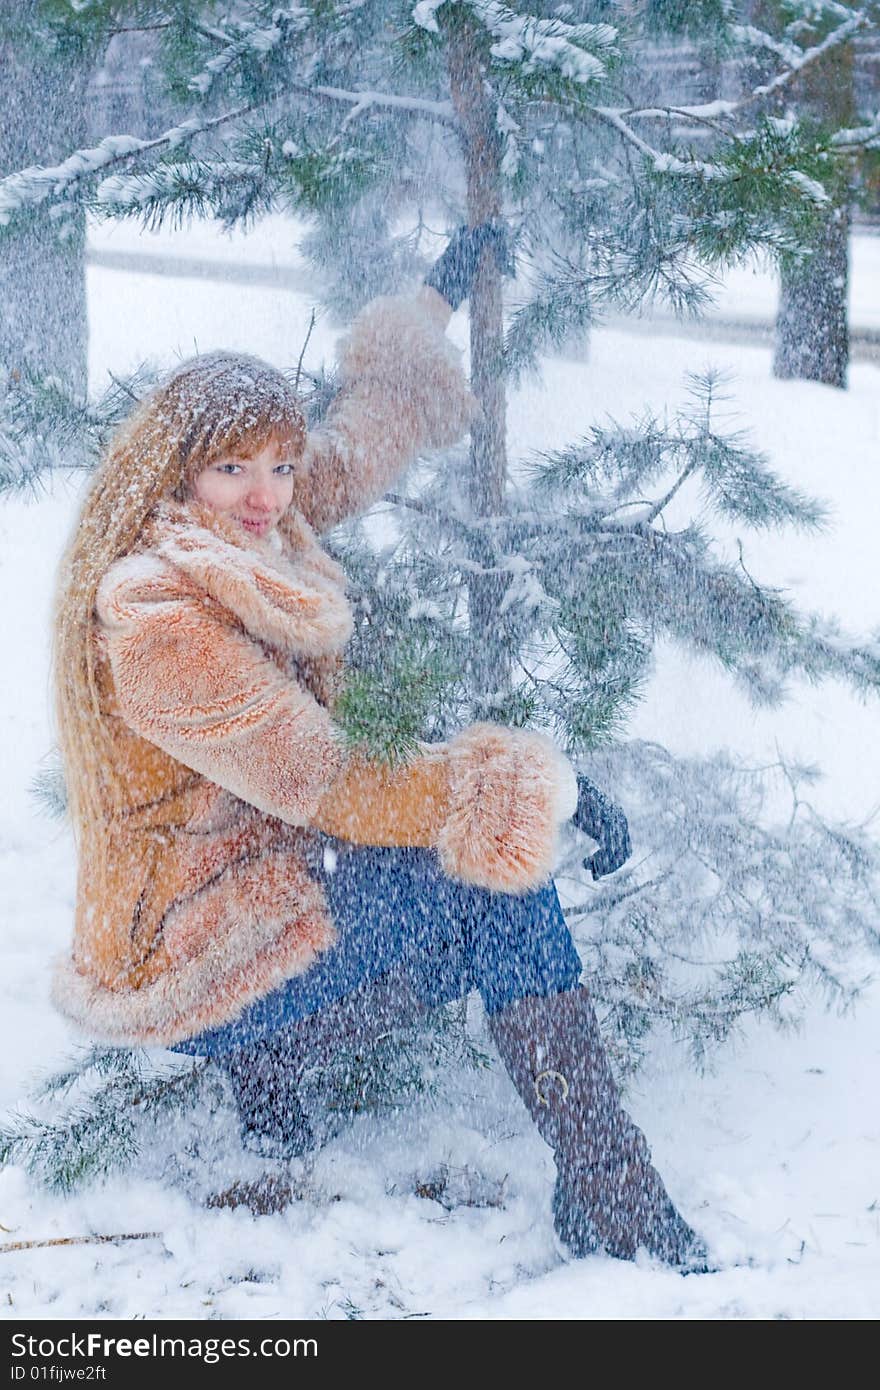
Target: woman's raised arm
403, 391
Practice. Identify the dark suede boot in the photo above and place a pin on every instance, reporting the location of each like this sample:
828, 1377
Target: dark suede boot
264, 1083
265, 1075
608, 1195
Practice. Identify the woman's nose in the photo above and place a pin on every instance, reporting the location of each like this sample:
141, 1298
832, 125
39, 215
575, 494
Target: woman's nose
260, 497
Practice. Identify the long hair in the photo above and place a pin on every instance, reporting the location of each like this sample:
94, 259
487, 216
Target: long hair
214, 405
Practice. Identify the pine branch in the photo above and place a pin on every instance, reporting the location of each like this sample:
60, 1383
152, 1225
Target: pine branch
703, 113
751, 35
549, 57
39, 183
403, 1064
441, 112
798, 60
254, 41
842, 34
99, 1130
465, 529
620, 266
49, 791
865, 137
663, 502
723, 912
299, 363
43, 428
186, 189
613, 117
96, 1239
737, 478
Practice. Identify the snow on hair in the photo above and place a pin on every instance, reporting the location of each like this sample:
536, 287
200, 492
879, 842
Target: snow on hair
223, 402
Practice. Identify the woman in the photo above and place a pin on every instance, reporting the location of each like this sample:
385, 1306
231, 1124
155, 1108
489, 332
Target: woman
250, 889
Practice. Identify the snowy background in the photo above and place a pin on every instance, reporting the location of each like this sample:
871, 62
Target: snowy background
773, 1156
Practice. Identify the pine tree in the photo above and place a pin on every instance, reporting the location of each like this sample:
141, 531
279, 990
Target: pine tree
812, 329
43, 329
534, 591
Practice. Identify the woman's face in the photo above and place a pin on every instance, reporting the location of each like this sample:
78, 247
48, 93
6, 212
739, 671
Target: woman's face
255, 491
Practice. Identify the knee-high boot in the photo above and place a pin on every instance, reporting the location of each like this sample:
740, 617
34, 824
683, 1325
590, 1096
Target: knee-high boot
608, 1195
265, 1075
264, 1081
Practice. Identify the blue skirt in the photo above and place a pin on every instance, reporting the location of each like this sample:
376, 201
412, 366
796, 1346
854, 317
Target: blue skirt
396, 907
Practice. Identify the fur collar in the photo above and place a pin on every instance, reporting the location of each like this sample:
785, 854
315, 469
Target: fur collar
291, 597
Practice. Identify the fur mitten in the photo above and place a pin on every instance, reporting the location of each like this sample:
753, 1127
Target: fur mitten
509, 791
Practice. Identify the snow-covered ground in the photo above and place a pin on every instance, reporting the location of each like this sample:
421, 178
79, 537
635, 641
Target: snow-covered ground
773, 1156
746, 293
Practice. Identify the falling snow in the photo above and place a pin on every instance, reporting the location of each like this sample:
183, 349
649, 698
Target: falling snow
773, 1153
311, 612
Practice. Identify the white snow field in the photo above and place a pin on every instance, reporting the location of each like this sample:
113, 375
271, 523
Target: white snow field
773, 1156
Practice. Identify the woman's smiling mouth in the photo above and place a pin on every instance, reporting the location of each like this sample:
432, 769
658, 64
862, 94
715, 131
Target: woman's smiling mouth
259, 528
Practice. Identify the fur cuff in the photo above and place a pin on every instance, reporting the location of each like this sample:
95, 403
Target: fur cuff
411, 372
509, 790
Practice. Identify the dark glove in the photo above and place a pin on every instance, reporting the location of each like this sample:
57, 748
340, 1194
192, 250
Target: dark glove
453, 273
598, 817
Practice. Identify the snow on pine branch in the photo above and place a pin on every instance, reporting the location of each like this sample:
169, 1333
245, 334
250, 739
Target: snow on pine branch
811, 188
796, 59
254, 40
706, 111
363, 100
43, 428
628, 458
191, 187
859, 137
803, 58
575, 52
37, 183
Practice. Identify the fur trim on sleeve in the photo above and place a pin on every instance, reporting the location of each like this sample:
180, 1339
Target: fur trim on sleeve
397, 346
509, 790
403, 392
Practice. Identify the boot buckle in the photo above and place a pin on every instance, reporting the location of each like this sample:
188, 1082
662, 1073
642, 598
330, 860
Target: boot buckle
556, 1076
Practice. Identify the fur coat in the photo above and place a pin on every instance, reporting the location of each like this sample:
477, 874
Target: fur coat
217, 656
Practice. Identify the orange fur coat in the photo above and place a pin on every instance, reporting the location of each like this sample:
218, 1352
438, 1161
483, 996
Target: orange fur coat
217, 655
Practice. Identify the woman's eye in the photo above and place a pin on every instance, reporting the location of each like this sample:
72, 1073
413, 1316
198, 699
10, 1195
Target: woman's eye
284, 469
229, 468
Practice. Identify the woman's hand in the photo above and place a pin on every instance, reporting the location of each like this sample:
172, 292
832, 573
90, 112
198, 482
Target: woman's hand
453, 273
597, 816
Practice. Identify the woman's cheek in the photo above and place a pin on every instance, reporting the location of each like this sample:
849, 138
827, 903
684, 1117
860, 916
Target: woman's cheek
215, 489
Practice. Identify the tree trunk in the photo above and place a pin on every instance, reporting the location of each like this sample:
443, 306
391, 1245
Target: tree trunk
812, 326
43, 325
488, 461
